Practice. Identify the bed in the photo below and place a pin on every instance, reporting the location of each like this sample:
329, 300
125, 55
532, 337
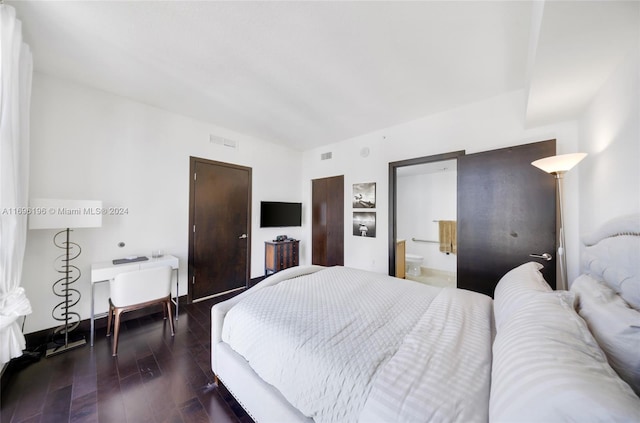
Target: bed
345, 345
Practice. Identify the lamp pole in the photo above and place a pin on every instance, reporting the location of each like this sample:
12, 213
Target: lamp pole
558, 166
562, 258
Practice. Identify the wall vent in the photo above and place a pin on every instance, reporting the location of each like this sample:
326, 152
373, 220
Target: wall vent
225, 142
326, 156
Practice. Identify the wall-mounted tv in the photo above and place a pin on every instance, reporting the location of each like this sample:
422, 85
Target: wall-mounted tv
275, 214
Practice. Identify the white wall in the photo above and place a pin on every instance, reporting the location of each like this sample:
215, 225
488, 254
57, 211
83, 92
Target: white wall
421, 200
88, 144
610, 134
487, 125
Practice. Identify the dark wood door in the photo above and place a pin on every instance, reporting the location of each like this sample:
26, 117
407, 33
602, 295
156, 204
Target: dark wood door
327, 226
506, 211
220, 225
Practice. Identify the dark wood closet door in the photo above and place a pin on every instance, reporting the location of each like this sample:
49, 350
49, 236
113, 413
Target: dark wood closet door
335, 221
319, 222
506, 211
220, 224
327, 226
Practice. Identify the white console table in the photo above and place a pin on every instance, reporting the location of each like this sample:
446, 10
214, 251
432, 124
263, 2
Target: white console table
105, 271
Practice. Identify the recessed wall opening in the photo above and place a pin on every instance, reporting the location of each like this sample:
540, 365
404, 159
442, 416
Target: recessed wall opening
422, 219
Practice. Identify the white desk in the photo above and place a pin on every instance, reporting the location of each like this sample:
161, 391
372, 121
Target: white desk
106, 270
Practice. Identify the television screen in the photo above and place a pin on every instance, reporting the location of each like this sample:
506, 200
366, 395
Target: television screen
275, 214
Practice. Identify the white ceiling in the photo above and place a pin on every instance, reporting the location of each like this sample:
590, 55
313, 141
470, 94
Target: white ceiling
305, 74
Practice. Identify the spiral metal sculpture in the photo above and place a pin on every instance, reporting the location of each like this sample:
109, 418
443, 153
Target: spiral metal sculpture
63, 287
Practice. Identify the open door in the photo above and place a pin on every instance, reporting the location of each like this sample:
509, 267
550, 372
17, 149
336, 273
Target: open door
506, 212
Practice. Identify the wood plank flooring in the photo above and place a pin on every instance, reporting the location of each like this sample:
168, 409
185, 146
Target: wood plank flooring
154, 378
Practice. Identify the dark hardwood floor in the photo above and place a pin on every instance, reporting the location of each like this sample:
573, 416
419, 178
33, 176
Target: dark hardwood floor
154, 378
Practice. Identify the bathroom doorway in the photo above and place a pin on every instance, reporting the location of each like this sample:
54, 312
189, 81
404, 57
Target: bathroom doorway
422, 214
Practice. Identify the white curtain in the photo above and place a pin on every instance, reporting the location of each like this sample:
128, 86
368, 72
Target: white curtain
16, 70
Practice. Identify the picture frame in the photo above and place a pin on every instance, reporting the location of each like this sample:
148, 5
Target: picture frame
364, 224
364, 195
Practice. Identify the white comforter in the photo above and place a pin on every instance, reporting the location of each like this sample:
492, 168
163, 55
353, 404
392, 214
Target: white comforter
344, 345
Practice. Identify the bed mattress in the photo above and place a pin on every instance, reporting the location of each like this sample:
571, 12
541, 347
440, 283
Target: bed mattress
346, 345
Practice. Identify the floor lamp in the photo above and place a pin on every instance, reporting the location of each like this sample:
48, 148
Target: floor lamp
558, 166
65, 215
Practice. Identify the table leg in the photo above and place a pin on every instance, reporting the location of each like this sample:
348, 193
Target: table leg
92, 313
177, 291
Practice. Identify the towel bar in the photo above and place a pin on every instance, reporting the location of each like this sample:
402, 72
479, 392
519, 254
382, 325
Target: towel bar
424, 240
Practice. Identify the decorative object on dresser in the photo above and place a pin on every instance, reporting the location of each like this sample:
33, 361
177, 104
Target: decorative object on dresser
67, 214
558, 166
279, 255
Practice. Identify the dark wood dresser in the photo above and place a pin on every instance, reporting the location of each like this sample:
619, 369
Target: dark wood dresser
279, 255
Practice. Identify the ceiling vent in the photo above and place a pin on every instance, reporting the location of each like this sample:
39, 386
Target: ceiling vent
225, 142
326, 156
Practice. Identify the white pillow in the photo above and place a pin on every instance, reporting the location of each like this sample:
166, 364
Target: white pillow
614, 324
615, 261
548, 368
514, 288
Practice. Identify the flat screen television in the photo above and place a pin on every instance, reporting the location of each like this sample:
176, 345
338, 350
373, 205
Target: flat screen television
275, 214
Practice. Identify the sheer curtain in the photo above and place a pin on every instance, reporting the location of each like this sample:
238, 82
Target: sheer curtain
16, 69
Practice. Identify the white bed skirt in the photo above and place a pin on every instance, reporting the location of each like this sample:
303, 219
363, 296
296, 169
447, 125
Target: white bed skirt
260, 400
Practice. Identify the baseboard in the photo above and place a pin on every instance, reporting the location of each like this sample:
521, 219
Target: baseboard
35, 340
254, 281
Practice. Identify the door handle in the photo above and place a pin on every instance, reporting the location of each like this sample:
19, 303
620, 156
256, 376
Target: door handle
243, 236
545, 256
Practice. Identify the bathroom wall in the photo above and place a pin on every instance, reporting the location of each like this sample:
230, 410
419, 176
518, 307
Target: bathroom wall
421, 199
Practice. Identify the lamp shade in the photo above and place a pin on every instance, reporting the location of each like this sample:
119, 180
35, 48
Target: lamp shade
558, 164
60, 214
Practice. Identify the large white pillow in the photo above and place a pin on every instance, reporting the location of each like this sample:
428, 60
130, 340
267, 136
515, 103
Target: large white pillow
614, 324
611, 254
515, 287
547, 367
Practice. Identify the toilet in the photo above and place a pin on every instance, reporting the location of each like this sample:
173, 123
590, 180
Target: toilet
413, 263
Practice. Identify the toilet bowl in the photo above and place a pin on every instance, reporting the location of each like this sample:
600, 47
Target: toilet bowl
413, 263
